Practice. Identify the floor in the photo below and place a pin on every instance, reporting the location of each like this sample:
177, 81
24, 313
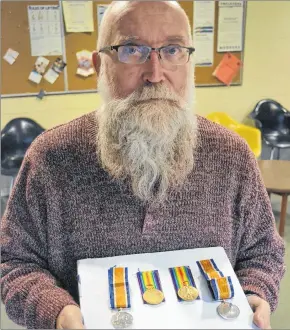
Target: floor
281, 318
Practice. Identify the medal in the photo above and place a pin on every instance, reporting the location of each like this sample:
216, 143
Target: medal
221, 288
153, 296
122, 320
119, 296
150, 286
188, 293
228, 310
184, 284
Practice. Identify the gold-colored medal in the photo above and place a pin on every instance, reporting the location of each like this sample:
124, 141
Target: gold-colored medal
187, 292
153, 296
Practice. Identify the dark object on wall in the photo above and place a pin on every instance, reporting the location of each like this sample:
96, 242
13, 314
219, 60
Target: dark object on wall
16, 137
274, 122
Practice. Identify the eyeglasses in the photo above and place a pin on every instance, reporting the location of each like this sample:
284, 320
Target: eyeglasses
138, 54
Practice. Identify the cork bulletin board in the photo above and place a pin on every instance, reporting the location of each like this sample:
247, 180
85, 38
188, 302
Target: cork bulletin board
15, 35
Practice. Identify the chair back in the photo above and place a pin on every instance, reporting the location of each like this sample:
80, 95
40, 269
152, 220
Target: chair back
269, 116
223, 119
16, 137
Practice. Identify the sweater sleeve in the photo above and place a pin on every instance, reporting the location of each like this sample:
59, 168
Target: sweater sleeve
260, 261
29, 291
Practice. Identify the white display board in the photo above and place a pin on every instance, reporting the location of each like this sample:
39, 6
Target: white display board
200, 314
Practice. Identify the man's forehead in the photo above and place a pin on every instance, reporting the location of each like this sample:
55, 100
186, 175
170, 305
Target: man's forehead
123, 6
177, 39
143, 22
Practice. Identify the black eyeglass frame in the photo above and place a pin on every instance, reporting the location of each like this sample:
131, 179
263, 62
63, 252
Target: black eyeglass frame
191, 50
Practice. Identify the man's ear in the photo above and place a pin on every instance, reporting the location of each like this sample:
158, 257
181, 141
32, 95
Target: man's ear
96, 61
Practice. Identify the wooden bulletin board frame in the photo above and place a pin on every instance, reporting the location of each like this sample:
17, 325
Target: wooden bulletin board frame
15, 35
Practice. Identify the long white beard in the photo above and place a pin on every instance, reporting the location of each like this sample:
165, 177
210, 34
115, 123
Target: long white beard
148, 138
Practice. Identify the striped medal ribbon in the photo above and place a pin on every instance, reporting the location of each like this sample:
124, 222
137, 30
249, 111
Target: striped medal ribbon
150, 287
221, 288
183, 283
120, 296
209, 269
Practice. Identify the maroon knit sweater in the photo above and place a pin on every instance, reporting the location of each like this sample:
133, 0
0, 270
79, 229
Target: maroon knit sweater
65, 207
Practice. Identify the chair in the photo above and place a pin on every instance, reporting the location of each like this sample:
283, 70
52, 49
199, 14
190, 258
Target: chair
16, 137
274, 122
250, 134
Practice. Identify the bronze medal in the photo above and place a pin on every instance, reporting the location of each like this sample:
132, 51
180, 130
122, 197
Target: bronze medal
153, 296
188, 293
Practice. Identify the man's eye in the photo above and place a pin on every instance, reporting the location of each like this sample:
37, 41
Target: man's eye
131, 50
172, 50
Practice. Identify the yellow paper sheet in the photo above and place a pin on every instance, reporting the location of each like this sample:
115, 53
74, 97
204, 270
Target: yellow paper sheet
78, 16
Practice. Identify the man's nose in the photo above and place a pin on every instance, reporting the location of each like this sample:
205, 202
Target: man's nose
154, 71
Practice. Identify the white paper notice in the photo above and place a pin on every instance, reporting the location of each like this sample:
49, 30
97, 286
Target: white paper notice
45, 30
78, 16
10, 56
41, 64
51, 76
100, 12
35, 77
230, 26
204, 13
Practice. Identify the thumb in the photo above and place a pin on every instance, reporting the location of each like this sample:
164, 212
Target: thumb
74, 322
259, 321
70, 318
261, 312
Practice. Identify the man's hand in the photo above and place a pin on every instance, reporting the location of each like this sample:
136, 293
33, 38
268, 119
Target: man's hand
261, 310
70, 318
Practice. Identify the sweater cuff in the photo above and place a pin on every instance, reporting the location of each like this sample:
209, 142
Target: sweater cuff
251, 293
257, 291
48, 304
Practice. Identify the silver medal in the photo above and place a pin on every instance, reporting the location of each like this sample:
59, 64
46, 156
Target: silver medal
228, 310
122, 320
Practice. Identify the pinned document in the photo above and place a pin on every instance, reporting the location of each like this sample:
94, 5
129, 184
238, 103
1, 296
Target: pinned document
85, 64
204, 16
39, 68
53, 73
35, 77
228, 68
41, 64
230, 26
78, 16
11, 56
100, 13
44, 30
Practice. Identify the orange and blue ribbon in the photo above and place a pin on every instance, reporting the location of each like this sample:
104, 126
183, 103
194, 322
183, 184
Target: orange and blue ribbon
181, 276
149, 280
209, 269
119, 287
220, 286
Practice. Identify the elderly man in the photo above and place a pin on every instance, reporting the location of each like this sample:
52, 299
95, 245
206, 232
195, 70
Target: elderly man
142, 174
